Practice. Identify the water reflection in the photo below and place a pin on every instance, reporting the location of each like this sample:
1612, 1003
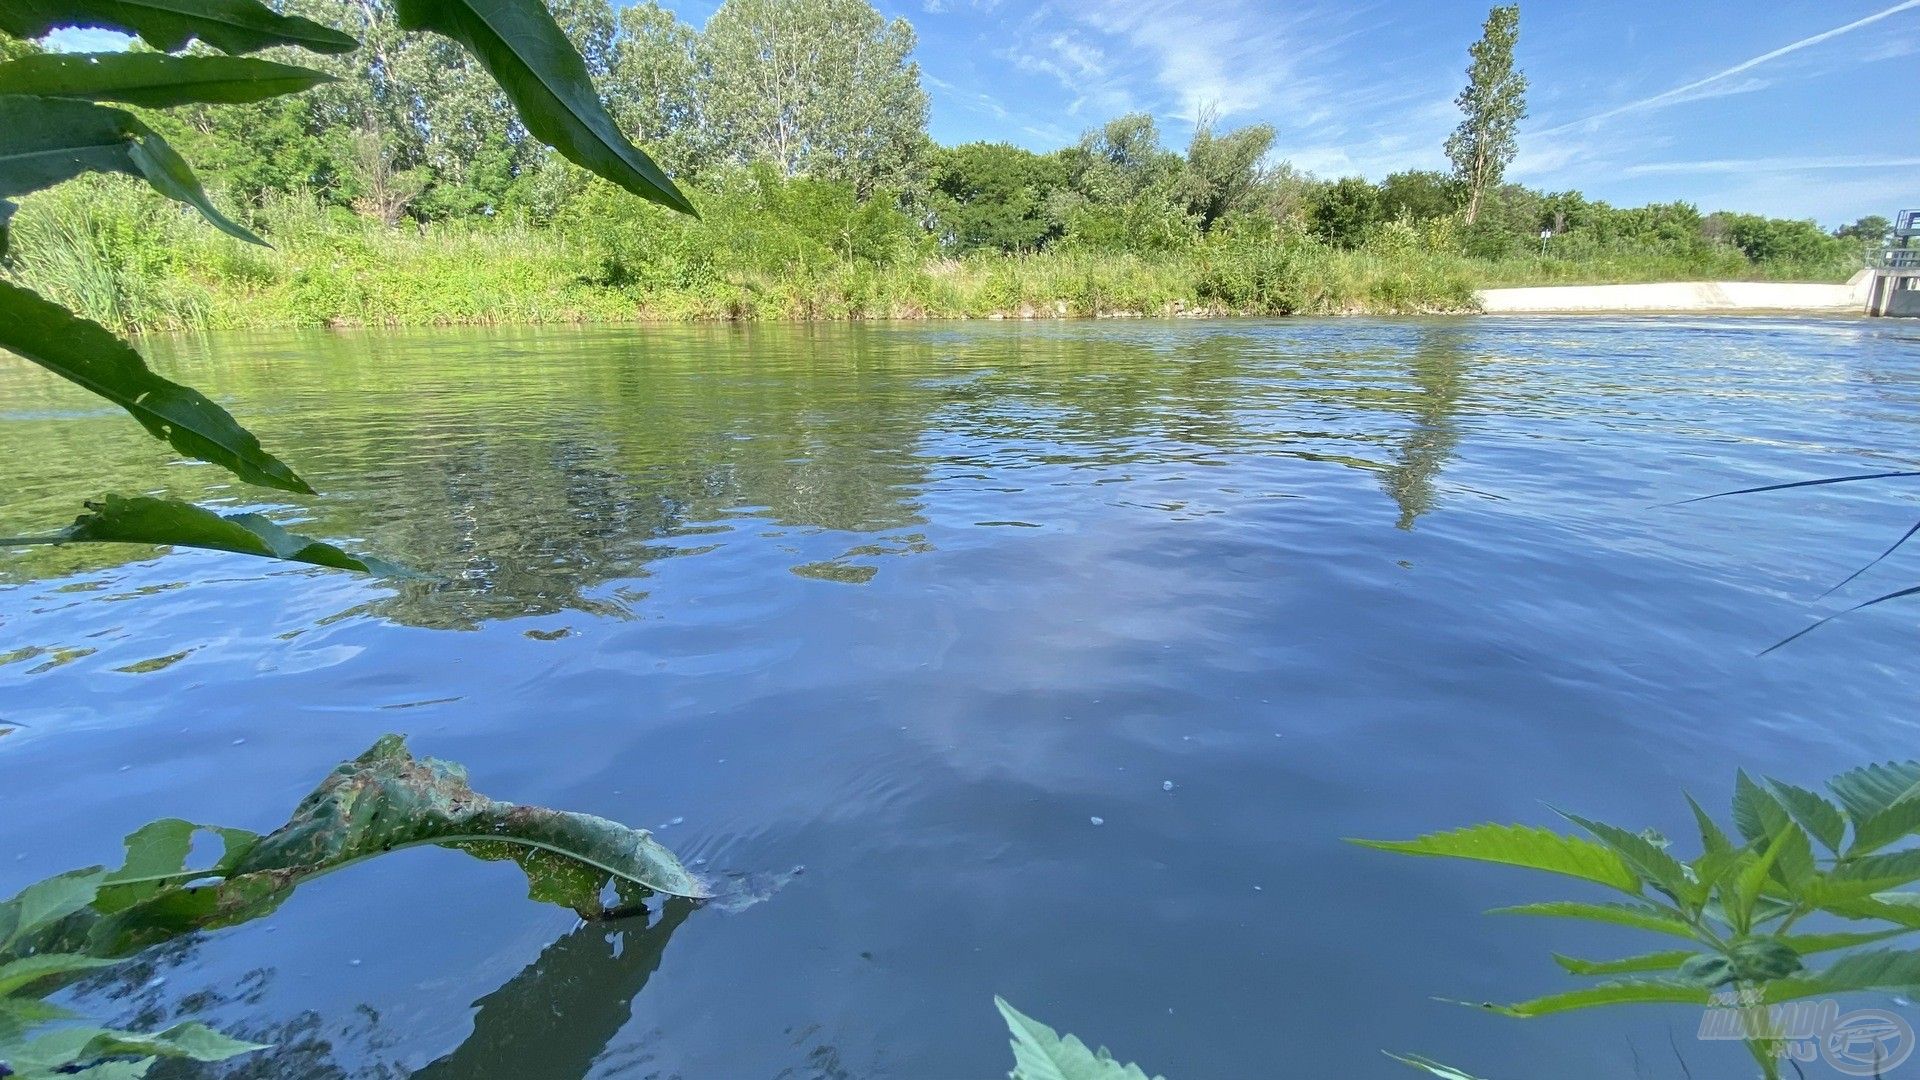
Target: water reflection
554, 1020
558, 1016
535, 473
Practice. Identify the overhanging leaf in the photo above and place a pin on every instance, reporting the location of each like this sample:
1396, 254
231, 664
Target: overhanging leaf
1886, 969
1860, 878
1040, 1053
528, 55
157, 860
1819, 817
46, 902
232, 26
1712, 838
24, 972
192, 1040
1810, 944
118, 519
154, 80
1757, 813
1630, 965
386, 799
45, 140
1869, 790
1643, 992
1644, 858
85, 353
1522, 845
1896, 822
1640, 918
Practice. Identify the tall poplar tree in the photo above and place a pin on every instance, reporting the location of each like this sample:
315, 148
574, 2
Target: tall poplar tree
1495, 101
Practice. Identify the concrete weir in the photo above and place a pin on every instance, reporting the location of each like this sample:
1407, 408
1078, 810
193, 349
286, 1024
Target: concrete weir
1684, 297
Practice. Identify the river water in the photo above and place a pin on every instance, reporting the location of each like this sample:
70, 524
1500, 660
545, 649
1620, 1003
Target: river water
1046, 660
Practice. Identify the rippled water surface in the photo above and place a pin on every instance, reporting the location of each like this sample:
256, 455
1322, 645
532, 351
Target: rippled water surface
903, 632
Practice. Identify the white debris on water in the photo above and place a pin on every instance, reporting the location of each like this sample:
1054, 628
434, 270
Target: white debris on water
1166, 785
1098, 820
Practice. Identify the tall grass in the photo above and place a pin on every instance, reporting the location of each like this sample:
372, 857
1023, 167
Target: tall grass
114, 253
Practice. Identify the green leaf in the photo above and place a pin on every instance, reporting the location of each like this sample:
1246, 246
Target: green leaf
157, 859
154, 80
83, 352
1645, 858
1810, 944
1640, 918
45, 140
1444, 1072
1886, 969
140, 520
232, 26
45, 902
1869, 790
1644, 991
1896, 822
526, 52
1756, 813
1753, 874
1749, 960
16, 974
192, 1040
1859, 878
386, 799
1630, 965
1711, 838
1040, 1053
1522, 845
1819, 817
18, 1015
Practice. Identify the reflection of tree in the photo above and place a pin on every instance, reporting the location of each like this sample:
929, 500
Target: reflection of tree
1438, 368
527, 470
552, 1021
555, 1019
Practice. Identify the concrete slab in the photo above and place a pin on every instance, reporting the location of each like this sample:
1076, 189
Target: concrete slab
1680, 297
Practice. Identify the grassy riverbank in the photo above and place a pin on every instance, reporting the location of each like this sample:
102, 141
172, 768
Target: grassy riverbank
134, 263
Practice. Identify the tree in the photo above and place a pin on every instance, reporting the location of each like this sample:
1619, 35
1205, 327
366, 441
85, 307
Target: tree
13, 48
1343, 211
653, 85
1495, 101
994, 195
1870, 233
1223, 172
821, 87
1420, 194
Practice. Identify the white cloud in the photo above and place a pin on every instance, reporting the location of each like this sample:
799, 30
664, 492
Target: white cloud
1699, 88
72, 40
1769, 165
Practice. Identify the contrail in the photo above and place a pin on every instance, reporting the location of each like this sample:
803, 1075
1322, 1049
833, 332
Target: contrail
1679, 92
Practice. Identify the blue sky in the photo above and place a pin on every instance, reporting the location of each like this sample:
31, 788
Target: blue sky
1731, 104
1753, 105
